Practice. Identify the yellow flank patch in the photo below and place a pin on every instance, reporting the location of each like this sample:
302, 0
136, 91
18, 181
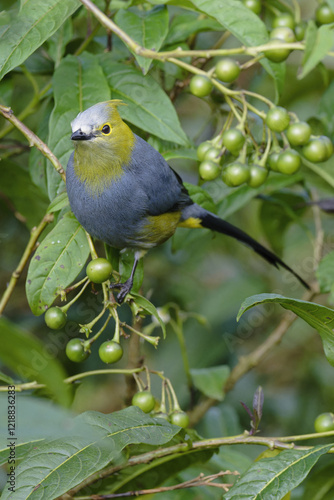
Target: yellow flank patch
192, 222
161, 227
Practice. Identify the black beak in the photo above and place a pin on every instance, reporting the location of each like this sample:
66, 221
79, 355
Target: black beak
79, 135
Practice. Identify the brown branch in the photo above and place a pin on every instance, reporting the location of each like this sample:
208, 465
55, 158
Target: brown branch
34, 235
200, 480
33, 139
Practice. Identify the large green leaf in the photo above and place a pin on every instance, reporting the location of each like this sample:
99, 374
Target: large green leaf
57, 262
211, 381
156, 116
35, 22
78, 83
36, 419
75, 458
27, 198
318, 43
27, 357
319, 317
272, 478
148, 28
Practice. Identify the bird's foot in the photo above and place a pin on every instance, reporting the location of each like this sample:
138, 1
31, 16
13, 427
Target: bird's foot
124, 289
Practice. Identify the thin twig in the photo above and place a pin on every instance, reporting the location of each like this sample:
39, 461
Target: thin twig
35, 234
33, 139
200, 480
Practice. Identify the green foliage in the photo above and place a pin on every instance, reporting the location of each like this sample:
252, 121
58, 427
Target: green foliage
74, 458
57, 58
319, 317
58, 261
277, 475
30, 361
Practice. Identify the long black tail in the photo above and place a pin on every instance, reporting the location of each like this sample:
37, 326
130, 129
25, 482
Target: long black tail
214, 223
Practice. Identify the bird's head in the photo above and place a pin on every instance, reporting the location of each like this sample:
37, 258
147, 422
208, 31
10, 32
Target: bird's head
99, 125
104, 143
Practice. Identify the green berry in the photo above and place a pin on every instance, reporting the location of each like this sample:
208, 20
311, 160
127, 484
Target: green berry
257, 176
75, 351
284, 20
144, 400
227, 70
179, 418
324, 14
200, 85
212, 154
300, 31
272, 161
235, 174
324, 422
288, 162
202, 149
277, 119
298, 133
253, 5
284, 34
55, 318
208, 170
276, 54
233, 140
110, 351
99, 270
316, 150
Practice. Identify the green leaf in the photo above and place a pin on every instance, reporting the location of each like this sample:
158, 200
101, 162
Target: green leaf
75, 458
277, 213
274, 477
58, 260
8, 380
36, 419
185, 25
35, 22
201, 197
156, 116
211, 381
27, 198
317, 47
37, 161
148, 307
30, 360
236, 18
319, 317
58, 203
78, 83
57, 43
148, 28
325, 274
181, 153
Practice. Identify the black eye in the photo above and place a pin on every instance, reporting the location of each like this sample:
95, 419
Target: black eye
106, 129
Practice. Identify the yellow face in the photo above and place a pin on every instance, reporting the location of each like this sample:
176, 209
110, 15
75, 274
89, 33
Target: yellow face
104, 144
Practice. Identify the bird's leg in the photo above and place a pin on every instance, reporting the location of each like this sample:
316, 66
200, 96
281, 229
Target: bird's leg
125, 287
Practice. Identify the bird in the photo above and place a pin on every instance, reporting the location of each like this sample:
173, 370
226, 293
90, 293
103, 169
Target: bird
124, 193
